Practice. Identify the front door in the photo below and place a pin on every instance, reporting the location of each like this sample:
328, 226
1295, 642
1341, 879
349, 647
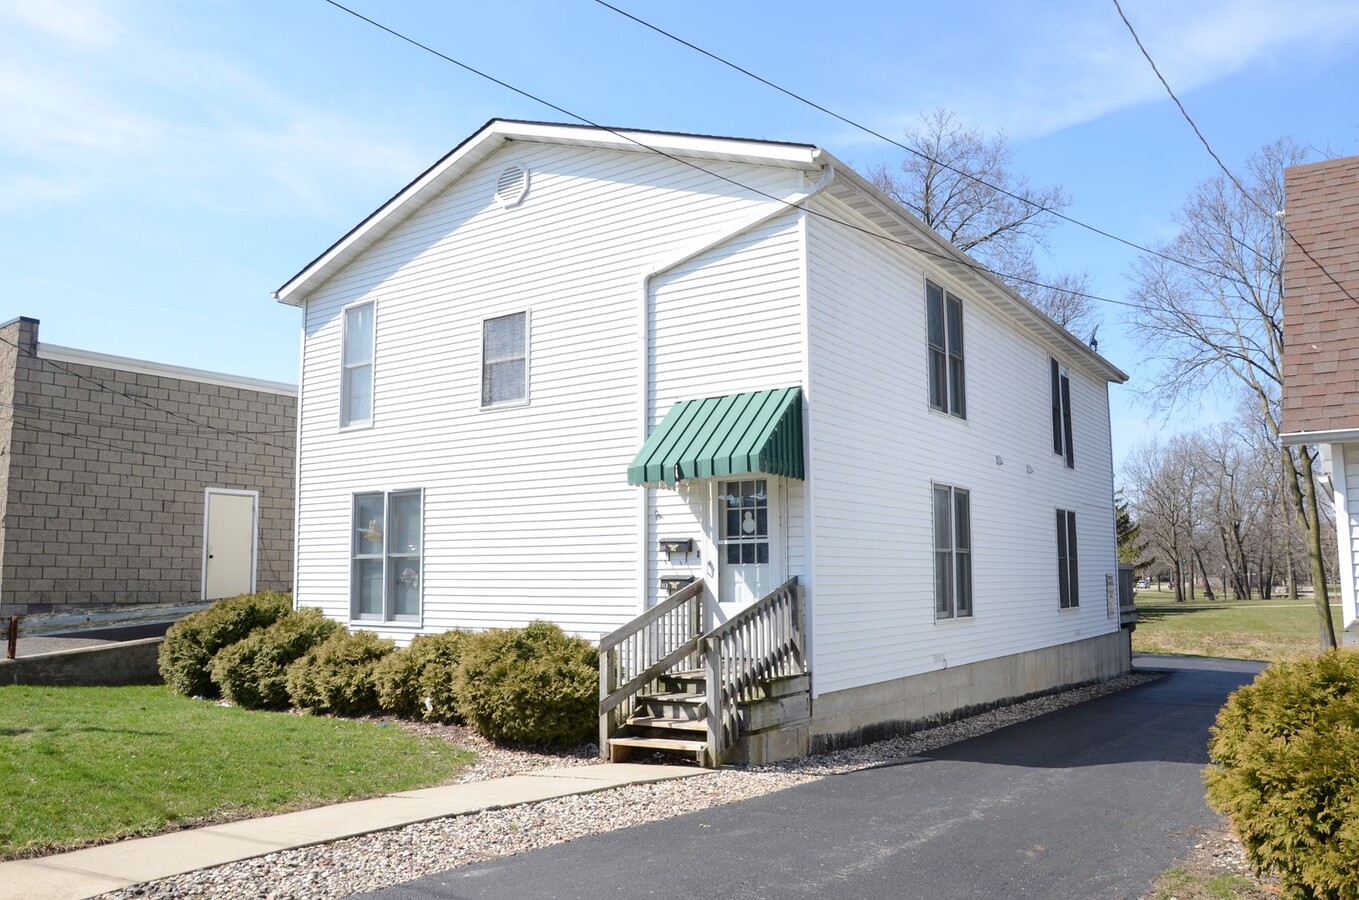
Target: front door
749, 542
228, 543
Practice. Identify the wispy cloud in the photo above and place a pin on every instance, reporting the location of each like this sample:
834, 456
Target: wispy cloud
96, 103
1076, 63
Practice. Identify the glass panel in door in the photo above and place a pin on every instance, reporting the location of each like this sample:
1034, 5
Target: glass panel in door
745, 521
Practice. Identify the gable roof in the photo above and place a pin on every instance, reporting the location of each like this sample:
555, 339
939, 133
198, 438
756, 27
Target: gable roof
847, 186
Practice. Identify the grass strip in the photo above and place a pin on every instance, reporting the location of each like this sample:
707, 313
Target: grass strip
84, 765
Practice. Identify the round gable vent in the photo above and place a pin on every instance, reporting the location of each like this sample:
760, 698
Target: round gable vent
512, 185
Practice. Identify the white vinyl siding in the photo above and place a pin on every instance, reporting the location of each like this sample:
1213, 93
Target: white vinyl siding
528, 513
1346, 459
726, 322
875, 449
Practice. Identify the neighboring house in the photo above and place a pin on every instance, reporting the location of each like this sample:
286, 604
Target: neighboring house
1321, 344
127, 482
567, 371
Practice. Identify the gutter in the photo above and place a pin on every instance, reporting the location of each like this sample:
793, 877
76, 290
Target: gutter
644, 334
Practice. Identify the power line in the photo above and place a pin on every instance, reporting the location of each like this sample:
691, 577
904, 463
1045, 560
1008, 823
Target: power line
962, 260
1217, 159
915, 151
103, 386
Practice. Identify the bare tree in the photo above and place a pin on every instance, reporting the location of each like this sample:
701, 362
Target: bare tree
960, 183
1213, 315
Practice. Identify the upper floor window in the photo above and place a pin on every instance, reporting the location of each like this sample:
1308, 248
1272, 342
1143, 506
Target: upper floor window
504, 360
1061, 414
1068, 580
385, 575
356, 366
944, 312
952, 552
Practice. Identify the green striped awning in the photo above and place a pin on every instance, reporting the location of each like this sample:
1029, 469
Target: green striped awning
739, 434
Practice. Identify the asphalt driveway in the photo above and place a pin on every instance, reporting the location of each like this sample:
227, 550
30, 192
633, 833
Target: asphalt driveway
1092, 801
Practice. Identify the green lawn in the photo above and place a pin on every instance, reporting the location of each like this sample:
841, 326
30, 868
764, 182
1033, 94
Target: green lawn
79, 765
1254, 629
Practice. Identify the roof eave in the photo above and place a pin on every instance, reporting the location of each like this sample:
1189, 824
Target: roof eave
495, 133
966, 269
1312, 438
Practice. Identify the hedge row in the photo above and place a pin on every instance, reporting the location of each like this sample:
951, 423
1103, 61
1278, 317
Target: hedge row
1286, 773
528, 685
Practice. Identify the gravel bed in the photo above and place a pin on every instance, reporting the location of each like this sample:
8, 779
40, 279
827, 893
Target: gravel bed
369, 862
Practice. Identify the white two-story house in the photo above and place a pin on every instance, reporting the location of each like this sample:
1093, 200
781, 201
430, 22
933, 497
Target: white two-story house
569, 371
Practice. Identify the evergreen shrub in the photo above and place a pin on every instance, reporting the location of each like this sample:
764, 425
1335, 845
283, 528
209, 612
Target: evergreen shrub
336, 676
253, 672
416, 682
532, 685
186, 655
1286, 773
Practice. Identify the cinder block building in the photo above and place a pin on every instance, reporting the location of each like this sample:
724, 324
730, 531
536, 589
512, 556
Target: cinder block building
125, 482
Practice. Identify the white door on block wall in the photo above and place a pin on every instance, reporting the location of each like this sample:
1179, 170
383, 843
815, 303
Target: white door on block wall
229, 542
749, 542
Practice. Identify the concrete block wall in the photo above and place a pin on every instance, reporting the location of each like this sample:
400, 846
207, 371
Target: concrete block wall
1321, 317
107, 469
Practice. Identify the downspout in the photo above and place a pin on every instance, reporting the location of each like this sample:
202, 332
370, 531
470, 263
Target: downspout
644, 332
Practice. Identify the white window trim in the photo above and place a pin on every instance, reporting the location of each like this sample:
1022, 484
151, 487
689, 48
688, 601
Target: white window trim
367, 423
528, 361
385, 622
945, 294
1067, 452
1073, 585
953, 616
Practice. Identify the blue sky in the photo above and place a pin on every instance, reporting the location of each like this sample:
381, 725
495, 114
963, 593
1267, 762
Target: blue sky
165, 164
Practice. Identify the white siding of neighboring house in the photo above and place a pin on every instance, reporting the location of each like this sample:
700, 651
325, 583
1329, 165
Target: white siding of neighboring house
876, 446
528, 513
726, 322
1345, 458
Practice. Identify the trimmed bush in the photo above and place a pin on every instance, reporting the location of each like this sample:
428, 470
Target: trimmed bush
254, 672
191, 643
532, 685
1286, 749
416, 682
336, 676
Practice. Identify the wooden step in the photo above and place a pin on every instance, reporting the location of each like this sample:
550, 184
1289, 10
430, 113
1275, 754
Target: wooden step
668, 722
620, 747
691, 681
673, 705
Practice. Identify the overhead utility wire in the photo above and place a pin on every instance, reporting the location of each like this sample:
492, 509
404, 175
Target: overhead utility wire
140, 401
964, 260
1217, 159
915, 151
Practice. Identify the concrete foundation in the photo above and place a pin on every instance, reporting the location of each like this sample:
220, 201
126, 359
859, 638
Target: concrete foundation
128, 662
859, 715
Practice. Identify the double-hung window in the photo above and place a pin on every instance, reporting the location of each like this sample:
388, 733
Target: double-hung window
1061, 414
944, 318
504, 360
385, 579
356, 366
1068, 580
952, 552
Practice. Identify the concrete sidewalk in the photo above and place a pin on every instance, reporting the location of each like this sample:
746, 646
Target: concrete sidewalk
88, 873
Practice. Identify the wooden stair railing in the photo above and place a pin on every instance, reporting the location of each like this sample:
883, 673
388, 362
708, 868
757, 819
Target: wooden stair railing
633, 657
764, 640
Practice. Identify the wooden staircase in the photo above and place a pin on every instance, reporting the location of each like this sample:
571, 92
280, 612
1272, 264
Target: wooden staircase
673, 718
666, 685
